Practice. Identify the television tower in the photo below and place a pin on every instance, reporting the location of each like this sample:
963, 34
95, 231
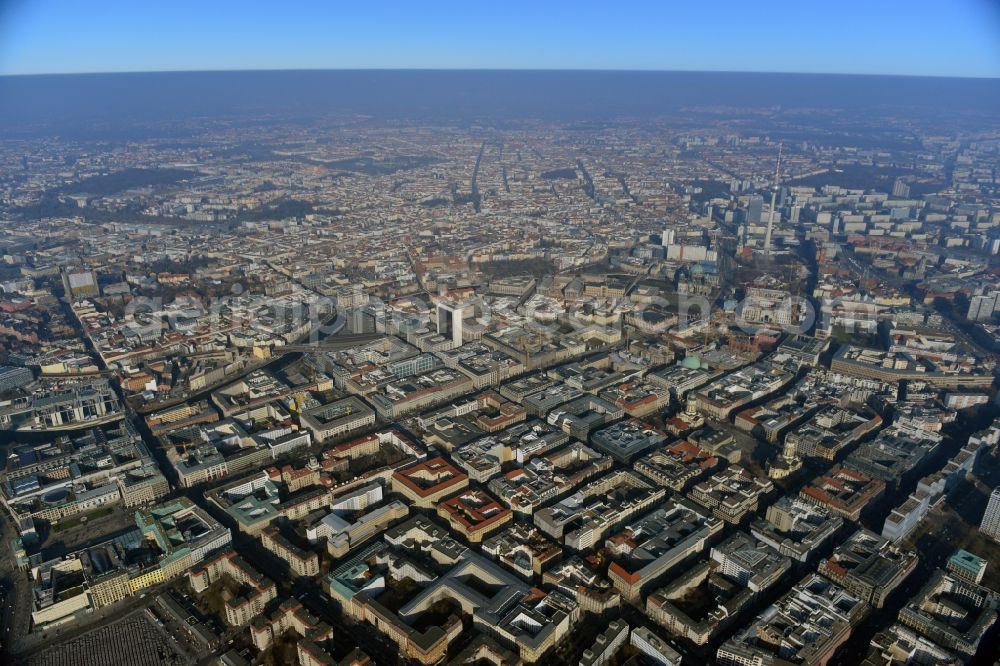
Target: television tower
770, 214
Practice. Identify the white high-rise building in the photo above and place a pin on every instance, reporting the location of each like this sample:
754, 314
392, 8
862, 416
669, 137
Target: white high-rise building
655, 648
900, 189
981, 307
449, 321
991, 519
668, 237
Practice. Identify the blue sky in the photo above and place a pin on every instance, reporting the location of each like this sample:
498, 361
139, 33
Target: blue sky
916, 37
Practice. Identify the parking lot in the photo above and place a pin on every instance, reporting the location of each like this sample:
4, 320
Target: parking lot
131, 641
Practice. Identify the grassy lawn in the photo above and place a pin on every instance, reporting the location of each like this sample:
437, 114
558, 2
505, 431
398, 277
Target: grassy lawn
78, 520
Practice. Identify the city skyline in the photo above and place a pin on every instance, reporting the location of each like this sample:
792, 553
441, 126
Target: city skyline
510, 334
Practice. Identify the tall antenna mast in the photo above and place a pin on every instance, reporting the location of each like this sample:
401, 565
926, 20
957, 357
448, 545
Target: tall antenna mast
774, 194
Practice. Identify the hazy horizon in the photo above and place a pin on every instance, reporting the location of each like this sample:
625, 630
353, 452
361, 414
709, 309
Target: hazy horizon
44, 103
653, 70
